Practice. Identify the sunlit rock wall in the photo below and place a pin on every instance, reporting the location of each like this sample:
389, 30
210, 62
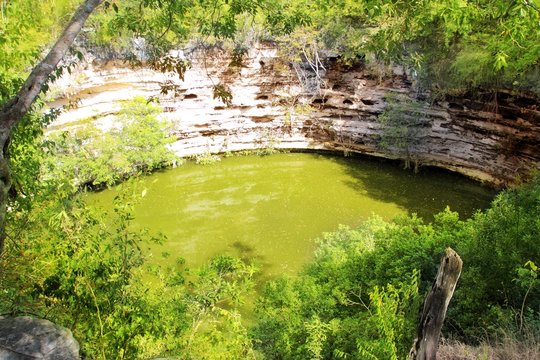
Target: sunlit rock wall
277, 105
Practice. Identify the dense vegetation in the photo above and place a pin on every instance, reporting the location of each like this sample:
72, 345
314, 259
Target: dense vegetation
450, 46
360, 297
95, 157
85, 269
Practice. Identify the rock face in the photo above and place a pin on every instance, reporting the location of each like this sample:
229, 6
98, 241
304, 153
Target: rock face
25, 338
494, 138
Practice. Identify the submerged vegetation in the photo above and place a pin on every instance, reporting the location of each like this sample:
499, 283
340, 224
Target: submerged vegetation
85, 269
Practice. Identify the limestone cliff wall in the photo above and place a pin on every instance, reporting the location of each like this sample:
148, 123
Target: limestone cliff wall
492, 138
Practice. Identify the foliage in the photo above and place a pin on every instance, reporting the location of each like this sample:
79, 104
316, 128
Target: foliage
84, 269
403, 124
392, 318
267, 143
212, 302
306, 55
505, 238
223, 93
362, 302
23, 31
451, 46
355, 316
527, 279
206, 158
100, 158
82, 274
26, 157
165, 24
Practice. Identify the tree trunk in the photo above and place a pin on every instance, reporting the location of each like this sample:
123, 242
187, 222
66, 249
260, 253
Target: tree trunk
15, 109
427, 341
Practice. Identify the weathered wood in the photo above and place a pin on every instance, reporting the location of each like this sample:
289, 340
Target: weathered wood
427, 341
14, 110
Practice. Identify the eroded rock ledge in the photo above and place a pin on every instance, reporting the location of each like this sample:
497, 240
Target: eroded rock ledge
493, 138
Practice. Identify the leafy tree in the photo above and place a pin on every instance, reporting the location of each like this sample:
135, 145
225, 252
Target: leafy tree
452, 46
19, 105
212, 301
404, 126
96, 158
505, 239
23, 31
338, 307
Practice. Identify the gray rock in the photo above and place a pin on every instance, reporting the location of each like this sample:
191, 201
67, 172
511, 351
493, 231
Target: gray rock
25, 338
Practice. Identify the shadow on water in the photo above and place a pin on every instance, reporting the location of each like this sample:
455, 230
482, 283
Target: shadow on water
268, 211
425, 193
265, 273
248, 253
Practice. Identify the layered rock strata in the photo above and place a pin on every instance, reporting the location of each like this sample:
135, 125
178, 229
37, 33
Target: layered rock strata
494, 138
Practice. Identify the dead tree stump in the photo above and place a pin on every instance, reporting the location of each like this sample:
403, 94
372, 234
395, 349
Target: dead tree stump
427, 340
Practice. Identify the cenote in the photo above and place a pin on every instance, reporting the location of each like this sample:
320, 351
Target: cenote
270, 210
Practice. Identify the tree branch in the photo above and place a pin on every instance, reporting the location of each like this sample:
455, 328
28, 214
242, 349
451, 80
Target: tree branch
14, 110
19, 105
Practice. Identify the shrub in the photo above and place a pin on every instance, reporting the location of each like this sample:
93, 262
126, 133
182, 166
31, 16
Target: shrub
92, 157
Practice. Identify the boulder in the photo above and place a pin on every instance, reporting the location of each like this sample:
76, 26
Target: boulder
25, 338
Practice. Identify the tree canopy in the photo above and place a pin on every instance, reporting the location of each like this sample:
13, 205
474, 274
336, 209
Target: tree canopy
450, 46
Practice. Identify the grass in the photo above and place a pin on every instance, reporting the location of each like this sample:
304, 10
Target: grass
507, 348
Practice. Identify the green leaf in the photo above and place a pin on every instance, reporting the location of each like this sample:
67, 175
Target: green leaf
500, 61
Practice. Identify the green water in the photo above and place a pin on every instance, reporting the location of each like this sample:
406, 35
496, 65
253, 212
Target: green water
271, 209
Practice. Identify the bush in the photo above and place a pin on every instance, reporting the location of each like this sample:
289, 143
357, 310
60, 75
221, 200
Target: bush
358, 298
96, 158
335, 309
505, 238
84, 269
207, 159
